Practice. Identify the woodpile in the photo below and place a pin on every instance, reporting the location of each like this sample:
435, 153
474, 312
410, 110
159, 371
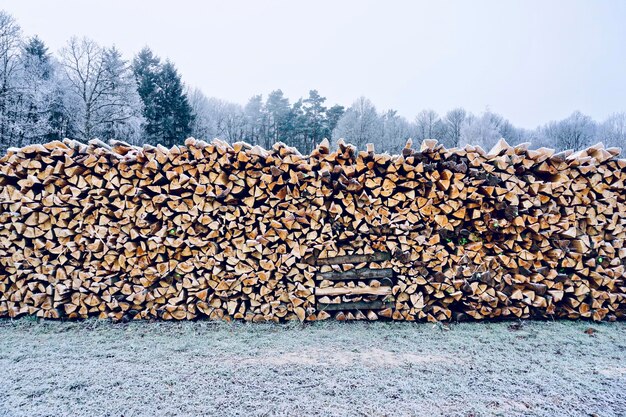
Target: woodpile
238, 232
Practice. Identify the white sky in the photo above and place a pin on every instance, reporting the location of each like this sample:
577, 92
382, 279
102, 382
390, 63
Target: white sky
531, 61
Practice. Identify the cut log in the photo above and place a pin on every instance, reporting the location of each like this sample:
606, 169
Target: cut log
236, 232
354, 259
357, 305
358, 274
333, 291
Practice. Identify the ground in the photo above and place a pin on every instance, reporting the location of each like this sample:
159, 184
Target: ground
96, 368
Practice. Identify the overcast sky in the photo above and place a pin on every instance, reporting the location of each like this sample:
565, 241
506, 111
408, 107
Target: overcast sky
531, 61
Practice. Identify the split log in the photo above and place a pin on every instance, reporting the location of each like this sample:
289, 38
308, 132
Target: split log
220, 231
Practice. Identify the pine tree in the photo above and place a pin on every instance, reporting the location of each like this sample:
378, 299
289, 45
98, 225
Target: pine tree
60, 122
36, 92
147, 67
174, 116
255, 121
332, 116
166, 109
36, 54
277, 108
296, 124
316, 126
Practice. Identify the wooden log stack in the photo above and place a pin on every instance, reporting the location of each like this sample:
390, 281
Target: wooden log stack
239, 232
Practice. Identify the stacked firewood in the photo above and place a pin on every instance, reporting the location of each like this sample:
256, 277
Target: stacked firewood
239, 232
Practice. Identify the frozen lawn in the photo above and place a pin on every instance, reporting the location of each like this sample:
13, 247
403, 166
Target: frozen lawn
95, 368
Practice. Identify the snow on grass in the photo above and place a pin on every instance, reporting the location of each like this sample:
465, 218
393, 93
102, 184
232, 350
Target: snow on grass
95, 368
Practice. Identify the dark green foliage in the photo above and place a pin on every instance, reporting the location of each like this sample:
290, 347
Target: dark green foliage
168, 115
36, 54
174, 115
302, 125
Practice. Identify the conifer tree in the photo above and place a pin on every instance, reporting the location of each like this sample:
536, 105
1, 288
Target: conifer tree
174, 115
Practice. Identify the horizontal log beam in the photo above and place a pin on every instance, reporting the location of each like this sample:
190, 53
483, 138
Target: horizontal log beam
364, 273
354, 259
333, 291
356, 305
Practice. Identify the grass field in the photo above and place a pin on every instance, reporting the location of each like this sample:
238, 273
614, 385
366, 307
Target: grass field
95, 368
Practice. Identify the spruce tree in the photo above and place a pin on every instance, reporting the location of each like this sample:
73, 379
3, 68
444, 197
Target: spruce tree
315, 114
146, 67
332, 118
297, 126
277, 107
34, 116
174, 114
167, 113
36, 54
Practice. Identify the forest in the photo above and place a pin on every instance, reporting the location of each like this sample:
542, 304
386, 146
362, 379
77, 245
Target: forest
87, 91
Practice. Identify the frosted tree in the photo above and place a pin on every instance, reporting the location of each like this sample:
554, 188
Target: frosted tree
576, 132
613, 130
396, 130
508, 131
428, 125
26, 116
201, 127
10, 49
453, 122
83, 65
166, 109
120, 111
230, 120
360, 124
37, 84
256, 121
215, 118
103, 94
485, 130
481, 131
301, 125
297, 126
538, 139
174, 115
29, 79
277, 108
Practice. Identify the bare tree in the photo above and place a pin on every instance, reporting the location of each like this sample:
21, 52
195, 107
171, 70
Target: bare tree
613, 130
200, 127
83, 64
103, 91
396, 130
215, 118
428, 125
453, 122
10, 47
10, 43
575, 132
483, 130
360, 124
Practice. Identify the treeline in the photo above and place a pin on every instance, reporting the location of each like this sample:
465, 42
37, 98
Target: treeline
86, 91
362, 124
303, 124
90, 91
